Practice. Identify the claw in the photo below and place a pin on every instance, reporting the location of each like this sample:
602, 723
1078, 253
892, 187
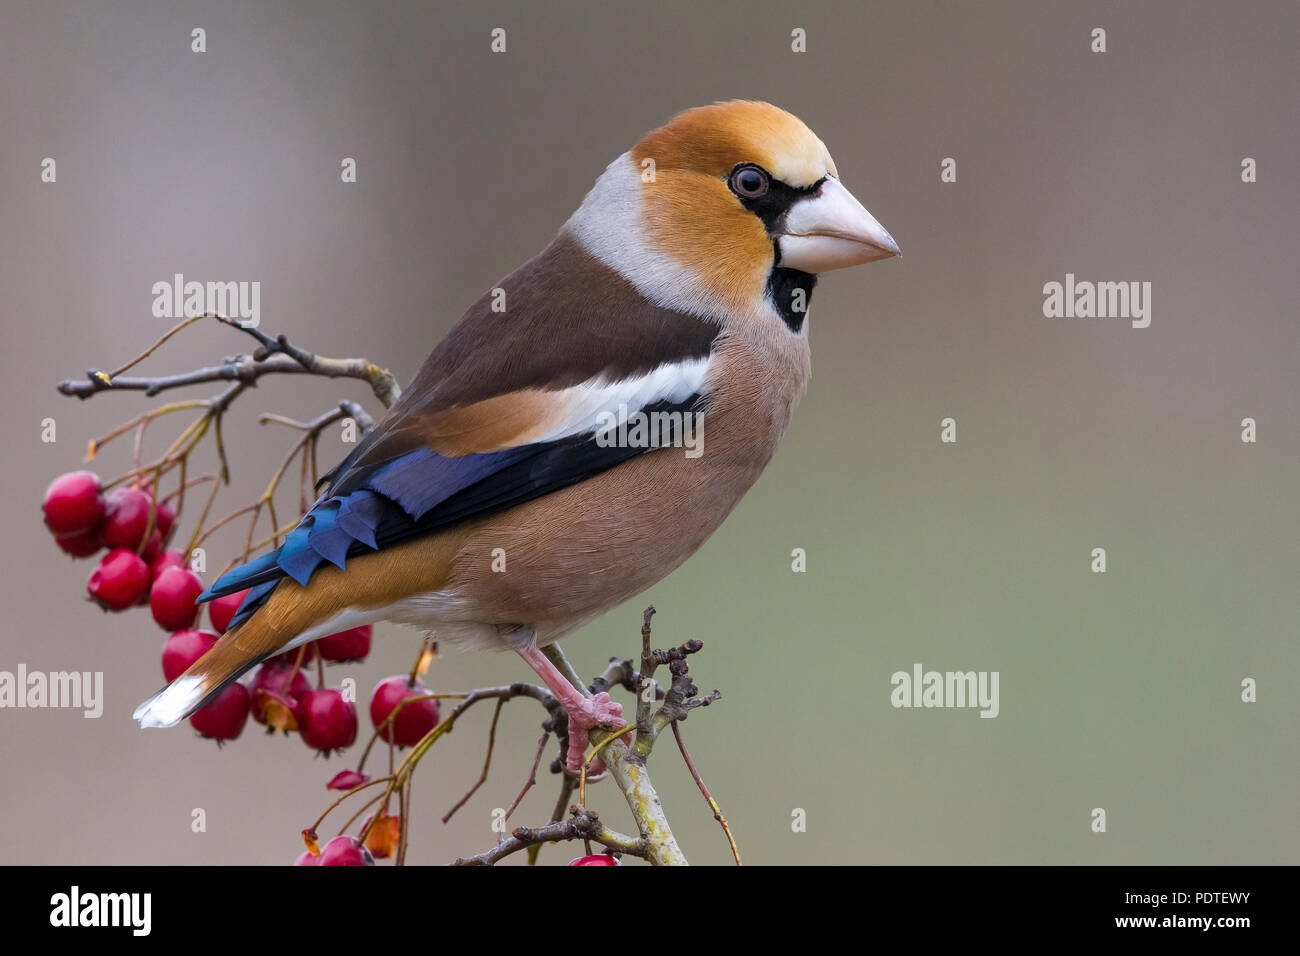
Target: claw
598, 711
584, 713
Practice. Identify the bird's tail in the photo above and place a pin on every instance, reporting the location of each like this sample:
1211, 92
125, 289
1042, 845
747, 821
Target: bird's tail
237, 651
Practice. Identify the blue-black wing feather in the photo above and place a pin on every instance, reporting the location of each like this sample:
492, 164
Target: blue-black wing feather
422, 492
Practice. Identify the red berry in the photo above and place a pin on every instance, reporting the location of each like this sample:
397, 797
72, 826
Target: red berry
167, 559
413, 721
222, 609
73, 504
274, 679
119, 581
153, 547
182, 649
603, 859
329, 722
160, 563
80, 545
225, 716
350, 645
306, 859
345, 851
165, 519
172, 598
127, 517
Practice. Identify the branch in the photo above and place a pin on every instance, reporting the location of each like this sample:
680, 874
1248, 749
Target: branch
644, 738
629, 772
627, 767
708, 797
274, 356
581, 825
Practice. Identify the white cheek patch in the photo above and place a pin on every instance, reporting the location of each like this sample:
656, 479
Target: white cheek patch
608, 224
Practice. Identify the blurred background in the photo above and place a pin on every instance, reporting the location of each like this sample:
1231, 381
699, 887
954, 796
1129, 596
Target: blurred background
1118, 690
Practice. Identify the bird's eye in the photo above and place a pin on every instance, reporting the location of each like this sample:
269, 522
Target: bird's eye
749, 182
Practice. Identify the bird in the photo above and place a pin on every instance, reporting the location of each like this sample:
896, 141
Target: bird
519, 487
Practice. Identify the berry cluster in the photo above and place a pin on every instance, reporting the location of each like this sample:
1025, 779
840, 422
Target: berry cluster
134, 527
138, 570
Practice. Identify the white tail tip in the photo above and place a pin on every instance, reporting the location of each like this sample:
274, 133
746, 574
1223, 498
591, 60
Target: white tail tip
172, 704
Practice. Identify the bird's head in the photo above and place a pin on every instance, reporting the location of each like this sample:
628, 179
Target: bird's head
725, 207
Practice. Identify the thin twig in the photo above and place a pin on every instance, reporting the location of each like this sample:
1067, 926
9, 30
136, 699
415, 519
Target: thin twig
355, 790
153, 348
708, 797
532, 775
487, 762
403, 823
643, 727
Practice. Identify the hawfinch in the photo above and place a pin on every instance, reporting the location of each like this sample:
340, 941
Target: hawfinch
585, 426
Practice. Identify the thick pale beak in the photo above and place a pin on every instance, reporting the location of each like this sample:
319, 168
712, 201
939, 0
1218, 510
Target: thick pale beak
832, 230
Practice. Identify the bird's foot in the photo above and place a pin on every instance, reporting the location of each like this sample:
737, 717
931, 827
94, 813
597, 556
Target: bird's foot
591, 713
585, 713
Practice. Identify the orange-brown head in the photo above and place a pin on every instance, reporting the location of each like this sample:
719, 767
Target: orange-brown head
740, 199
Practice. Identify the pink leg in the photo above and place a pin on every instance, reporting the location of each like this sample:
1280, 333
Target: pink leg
585, 713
